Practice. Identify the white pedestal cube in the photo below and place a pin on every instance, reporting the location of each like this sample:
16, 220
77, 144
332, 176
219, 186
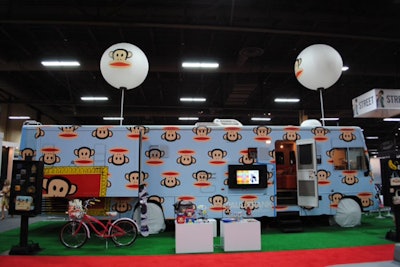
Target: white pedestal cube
194, 237
243, 235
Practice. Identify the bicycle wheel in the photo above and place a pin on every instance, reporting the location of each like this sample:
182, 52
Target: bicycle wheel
123, 232
73, 235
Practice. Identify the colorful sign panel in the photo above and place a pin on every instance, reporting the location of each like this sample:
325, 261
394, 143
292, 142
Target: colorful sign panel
75, 181
377, 103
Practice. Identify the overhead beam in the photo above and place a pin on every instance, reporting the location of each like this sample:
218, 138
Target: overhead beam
200, 27
387, 70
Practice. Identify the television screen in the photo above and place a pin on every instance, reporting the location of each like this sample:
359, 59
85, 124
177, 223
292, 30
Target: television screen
247, 176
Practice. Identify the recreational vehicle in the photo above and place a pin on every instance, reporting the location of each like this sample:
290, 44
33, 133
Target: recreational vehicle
229, 168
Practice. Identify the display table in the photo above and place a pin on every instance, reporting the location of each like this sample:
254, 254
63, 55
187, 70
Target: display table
194, 237
243, 235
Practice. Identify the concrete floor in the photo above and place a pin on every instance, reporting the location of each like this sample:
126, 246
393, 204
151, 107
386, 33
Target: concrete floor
15, 222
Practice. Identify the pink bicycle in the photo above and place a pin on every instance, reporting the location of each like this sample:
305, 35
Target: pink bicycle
76, 232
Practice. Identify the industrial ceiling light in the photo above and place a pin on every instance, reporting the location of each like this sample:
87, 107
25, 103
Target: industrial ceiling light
188, 118
19, 117
201, 65
192, 99
260, 119
113, 118
329, 119
94, 98
391, 119
60, 63
372, 137
287, 100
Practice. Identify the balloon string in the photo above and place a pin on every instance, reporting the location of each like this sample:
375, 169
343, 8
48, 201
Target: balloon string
122, 105
322, 105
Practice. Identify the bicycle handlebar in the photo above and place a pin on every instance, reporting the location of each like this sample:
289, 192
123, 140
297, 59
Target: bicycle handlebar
77, 211
90, 201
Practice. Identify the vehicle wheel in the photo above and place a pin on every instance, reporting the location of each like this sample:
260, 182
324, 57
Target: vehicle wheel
123, 232
73, 235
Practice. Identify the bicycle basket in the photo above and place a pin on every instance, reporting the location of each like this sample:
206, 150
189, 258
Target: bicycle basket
75, 209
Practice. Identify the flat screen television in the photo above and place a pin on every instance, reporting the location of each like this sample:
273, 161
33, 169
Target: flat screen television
247, 176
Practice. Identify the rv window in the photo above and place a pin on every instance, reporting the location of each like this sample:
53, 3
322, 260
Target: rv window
305, 156
357, 159
339, 158
349, 159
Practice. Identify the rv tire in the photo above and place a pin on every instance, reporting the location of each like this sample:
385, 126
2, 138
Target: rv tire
348, 212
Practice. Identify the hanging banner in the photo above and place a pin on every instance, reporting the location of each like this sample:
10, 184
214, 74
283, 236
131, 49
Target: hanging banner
377, 103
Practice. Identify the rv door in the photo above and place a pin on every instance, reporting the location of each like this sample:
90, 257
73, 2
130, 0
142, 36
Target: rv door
307, 182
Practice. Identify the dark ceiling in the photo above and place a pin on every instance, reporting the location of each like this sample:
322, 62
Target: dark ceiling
255, 43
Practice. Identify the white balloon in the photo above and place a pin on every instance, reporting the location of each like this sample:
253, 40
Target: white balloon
124, 65
318, 66
311, 122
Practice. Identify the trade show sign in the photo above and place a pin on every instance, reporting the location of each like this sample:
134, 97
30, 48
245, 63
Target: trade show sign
377, 103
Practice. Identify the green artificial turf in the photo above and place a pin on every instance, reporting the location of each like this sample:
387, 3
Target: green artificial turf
372, 231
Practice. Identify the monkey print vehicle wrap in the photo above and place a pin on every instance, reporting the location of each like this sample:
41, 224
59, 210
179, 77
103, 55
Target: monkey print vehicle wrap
192, 163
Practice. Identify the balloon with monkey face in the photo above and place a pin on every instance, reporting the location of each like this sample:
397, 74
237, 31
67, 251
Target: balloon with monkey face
124, 65
318, 66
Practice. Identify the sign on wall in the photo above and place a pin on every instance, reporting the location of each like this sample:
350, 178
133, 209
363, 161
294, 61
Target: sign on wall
377, 103
75, 182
